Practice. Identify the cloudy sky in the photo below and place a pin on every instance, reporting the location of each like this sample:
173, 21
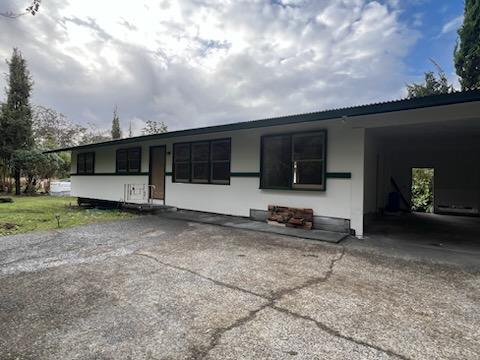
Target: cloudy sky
194, 63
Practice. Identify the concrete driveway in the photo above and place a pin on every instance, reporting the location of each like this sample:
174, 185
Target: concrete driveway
153, 288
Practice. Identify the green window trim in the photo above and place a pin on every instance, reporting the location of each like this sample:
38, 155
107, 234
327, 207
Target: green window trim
339, 175
329, 175
191, 161
291, 186
128, 154
82, 163
113, 174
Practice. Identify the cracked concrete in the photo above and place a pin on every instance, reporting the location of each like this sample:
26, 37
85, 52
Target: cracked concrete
218, 333
151, 288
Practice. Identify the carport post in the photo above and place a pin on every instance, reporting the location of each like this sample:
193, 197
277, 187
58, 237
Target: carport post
357, 154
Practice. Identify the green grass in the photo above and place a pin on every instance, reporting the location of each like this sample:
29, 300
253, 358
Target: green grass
30, 213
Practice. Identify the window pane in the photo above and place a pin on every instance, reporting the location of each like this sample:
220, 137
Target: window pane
200, 172
134, 160
89, 163
80, 163
122, 161
221, 150
200, 151
221, 172
182, 152
307, 147
276, 162
182, 172
308, 172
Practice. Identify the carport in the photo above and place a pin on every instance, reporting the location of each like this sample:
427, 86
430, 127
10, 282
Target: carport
444, 139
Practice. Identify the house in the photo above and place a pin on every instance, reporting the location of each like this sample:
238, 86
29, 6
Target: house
341, 163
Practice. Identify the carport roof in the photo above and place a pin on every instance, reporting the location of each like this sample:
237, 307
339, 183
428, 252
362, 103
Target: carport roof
369, 109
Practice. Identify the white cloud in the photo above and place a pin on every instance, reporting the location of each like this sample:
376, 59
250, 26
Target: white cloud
193, 63
452, 25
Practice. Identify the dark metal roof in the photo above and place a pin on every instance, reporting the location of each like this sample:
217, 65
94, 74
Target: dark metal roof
375, 108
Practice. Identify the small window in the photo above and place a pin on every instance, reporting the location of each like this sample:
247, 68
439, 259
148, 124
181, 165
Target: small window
294, 161
129, 160
203, 162
86, 163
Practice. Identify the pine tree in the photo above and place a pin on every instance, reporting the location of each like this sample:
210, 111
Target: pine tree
116, 131
16, 113
467, 51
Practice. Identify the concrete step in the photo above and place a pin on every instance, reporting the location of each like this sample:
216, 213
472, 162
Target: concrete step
153, 208
247, 224
164, 208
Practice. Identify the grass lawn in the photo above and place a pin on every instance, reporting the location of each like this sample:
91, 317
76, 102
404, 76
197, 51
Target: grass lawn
28, 213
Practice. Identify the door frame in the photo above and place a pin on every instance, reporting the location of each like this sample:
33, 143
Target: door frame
150, 169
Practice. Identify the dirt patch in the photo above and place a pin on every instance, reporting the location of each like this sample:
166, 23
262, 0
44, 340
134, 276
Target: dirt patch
8, 226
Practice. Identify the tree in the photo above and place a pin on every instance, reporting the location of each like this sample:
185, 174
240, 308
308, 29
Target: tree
16, 113
422, 190
467, 51
91, 134
130, 133
154, 127
432, 84
52, 129
35, 165
116, 131
64, 167
32, 9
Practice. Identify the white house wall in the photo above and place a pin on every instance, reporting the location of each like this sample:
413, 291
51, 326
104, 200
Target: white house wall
111, 188
343, 198
244, 194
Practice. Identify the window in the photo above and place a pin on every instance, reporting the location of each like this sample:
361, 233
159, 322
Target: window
129, 160
202, 162
308, 161
276, 159
220, 160
293, 161
86, 163
181, 168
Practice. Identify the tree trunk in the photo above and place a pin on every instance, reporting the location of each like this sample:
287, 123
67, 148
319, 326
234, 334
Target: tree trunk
17, 182
4, 186
10, 184
47, 186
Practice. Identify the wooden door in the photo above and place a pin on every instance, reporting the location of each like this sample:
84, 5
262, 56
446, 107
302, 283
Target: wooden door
157, 172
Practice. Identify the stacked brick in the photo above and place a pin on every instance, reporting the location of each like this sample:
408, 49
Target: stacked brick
290, 217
